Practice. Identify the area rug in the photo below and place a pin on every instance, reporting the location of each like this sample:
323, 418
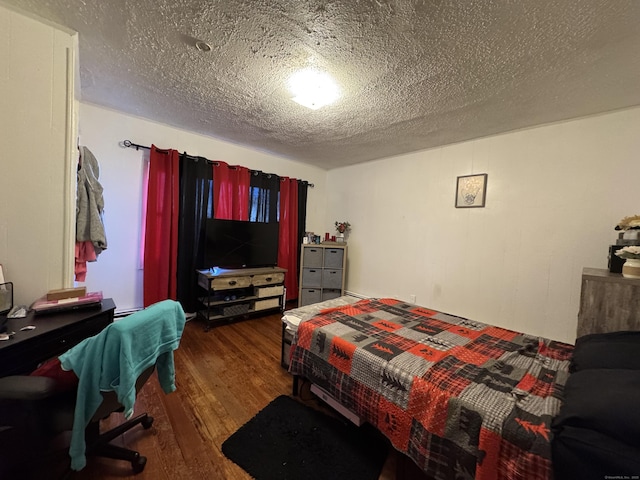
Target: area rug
289, 441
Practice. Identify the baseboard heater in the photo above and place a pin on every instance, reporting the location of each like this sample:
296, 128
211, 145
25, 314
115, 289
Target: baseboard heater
333, 403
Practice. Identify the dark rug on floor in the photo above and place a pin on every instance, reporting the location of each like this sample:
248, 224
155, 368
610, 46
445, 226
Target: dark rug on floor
288, 440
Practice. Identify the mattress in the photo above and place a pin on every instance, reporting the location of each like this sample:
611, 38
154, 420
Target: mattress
463, 399
292, 318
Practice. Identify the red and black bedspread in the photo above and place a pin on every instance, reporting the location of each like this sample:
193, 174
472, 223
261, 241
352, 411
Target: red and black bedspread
463, 399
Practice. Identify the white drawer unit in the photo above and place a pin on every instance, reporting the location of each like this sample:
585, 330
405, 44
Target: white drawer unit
229, 294
322, 273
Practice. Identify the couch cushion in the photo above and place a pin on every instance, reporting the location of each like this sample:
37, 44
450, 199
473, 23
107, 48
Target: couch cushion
605, 401
585, 454
607, 350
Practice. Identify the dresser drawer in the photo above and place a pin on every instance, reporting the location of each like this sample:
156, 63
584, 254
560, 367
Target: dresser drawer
333, 257
311, 277
224, 283
268, 279
331, 278
266, 303
312, 257
264, 292
329, 293
309, 296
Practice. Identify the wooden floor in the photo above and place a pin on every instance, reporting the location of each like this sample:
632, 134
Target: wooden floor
224, 376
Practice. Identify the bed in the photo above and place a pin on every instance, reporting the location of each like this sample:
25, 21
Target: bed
461, 398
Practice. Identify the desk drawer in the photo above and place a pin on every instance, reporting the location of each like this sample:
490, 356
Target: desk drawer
73, 335
25, 356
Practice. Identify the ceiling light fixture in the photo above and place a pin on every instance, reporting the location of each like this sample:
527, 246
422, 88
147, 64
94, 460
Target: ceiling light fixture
203, 46
313, 89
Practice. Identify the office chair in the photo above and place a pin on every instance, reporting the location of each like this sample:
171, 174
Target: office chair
109, 369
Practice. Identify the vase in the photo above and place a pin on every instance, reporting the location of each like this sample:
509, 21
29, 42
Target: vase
631, 268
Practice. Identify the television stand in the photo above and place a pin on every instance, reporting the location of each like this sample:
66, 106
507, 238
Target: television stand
230, 294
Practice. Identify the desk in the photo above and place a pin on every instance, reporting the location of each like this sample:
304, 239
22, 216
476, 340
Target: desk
54, 334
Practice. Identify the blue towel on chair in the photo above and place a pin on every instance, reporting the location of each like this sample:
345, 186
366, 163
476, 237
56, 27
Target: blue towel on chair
113, 360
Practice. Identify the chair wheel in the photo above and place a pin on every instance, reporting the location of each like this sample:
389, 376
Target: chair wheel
138, 464
147, 422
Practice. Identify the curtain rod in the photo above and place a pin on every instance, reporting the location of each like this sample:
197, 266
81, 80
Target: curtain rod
130, 144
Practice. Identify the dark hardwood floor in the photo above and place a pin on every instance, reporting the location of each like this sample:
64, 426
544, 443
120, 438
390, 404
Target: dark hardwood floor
224, 376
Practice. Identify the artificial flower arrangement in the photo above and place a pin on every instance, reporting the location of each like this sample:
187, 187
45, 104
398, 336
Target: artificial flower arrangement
629, 223
630, 251
343, 227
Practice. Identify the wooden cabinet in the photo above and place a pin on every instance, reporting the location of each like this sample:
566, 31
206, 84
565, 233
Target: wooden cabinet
608, 302
229, 294
322, 272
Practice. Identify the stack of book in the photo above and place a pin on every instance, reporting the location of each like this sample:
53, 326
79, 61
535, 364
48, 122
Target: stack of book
66, 299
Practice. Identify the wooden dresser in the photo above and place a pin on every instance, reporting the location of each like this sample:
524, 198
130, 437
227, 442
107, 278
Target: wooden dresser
608, 302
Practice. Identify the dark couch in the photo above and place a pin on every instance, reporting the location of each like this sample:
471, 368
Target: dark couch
597, 431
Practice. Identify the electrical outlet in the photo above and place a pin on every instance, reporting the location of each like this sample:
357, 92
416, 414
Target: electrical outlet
412, 298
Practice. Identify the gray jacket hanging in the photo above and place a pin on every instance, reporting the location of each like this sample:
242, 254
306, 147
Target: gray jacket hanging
90, 203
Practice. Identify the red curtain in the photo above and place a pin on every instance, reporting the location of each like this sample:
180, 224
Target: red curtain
161, 226
288, 241
230, 191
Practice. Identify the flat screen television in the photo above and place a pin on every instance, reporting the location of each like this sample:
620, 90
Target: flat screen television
240, 244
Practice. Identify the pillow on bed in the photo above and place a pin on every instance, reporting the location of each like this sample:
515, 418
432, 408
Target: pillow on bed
607, 350
604, 401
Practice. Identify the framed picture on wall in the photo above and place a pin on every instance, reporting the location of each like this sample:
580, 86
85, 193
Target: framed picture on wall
471, 191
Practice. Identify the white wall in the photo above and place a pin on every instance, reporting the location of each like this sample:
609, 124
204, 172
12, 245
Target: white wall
117, 272
36, 128
554, 195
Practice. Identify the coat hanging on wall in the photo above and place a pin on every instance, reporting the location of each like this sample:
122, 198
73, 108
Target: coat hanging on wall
91, 238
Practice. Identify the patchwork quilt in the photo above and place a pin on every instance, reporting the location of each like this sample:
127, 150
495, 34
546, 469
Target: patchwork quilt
462, 398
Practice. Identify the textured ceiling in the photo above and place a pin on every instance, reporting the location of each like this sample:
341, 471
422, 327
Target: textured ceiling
413, 74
